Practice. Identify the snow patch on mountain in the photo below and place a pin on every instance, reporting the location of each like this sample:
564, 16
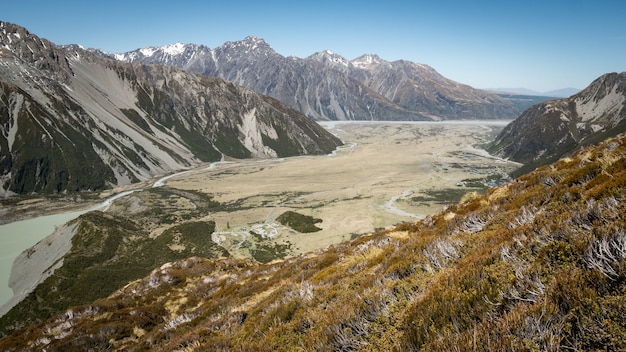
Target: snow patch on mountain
366, 61
330, 58
149, 51
250, 45
174, 49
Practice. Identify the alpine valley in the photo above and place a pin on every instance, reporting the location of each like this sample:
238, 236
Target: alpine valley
226, 258
538, 264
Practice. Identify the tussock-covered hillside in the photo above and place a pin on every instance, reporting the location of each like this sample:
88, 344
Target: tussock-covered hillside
535, 264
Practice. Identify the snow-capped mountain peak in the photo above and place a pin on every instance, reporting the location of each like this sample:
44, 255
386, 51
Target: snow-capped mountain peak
365, 88
174, 49
366, 61
171, 54
329, 57
149, 51
254, 41
250, 45
170, 49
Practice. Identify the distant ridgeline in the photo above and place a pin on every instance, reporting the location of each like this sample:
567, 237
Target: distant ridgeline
327, 86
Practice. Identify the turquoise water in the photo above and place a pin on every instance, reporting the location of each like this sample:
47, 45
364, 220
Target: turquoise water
18, 236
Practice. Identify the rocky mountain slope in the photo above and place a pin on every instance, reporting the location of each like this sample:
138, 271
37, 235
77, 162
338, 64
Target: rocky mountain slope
551, 130
534, 264
326, 86
74, 121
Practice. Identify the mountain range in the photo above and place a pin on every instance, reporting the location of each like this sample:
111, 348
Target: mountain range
74, 121
327, 86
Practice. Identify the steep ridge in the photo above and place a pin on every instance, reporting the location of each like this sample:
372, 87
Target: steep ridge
419, 87
326, 86
534, 264
551, 130
73, 121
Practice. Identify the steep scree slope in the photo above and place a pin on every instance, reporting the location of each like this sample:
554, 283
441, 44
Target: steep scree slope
73, 121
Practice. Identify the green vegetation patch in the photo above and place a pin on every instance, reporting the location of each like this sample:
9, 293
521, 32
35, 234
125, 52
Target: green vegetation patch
134, 116
299, 222
441, 196
485, 182
264, 249
166, 210
191, 238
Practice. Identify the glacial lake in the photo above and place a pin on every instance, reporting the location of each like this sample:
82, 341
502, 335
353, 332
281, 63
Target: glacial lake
18, 236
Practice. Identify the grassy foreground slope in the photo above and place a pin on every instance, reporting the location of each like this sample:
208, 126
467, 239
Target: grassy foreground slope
535, 264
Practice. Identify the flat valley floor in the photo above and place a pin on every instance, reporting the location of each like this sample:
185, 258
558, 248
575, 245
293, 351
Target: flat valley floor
387, 173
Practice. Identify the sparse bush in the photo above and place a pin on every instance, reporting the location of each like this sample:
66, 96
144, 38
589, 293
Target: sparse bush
608, 254
441, 252
349, 335
527, 216
473, 223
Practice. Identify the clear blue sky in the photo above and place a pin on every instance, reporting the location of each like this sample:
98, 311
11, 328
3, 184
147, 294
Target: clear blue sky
540, 45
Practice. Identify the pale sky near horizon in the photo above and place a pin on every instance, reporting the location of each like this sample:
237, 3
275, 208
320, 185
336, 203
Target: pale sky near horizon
539, 45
